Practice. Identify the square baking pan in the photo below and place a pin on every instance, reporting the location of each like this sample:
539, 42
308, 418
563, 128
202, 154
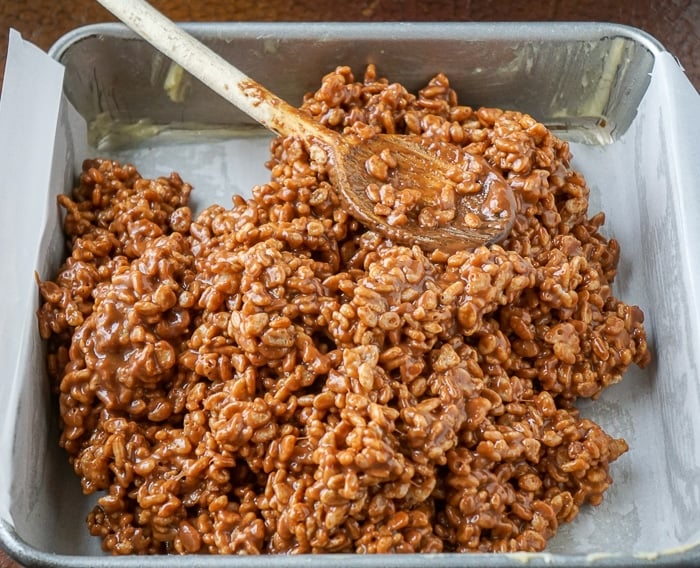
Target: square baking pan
612, 91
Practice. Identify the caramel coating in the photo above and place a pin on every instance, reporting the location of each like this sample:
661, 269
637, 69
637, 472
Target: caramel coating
275, 378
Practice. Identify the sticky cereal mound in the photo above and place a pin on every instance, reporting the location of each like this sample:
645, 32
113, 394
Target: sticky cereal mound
275, 378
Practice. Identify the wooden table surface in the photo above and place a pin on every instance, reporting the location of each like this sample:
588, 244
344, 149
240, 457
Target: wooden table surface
676, 23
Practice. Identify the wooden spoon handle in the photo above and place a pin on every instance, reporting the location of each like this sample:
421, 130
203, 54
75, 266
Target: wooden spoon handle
214, 71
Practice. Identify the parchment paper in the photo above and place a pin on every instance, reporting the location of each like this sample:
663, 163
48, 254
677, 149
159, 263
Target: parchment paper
28, 125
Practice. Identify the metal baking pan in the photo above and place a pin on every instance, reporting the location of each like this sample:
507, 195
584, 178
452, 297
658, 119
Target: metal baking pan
608, 89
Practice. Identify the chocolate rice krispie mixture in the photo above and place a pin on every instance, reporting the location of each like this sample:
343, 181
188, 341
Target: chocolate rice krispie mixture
275, 378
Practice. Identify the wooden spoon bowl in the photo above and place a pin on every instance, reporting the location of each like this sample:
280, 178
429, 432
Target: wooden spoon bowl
434, 194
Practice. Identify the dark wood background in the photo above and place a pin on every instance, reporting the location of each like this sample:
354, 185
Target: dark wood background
675, 23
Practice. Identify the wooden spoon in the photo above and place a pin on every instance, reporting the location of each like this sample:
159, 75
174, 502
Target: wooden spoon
431, 194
